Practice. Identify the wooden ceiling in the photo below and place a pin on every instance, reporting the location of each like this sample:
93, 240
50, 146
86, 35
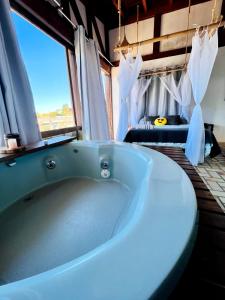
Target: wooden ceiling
107, 10
45, 16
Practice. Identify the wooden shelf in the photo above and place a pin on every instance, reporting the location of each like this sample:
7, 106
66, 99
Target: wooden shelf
45, 144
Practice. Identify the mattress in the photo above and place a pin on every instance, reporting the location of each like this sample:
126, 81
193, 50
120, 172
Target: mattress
164, 127
168, 137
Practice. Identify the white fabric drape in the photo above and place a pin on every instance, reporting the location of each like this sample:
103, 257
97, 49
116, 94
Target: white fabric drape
187, 101
94, 114
75, 88
202, 58
181, 91
17, 112
158, 101
129, 70
137, 100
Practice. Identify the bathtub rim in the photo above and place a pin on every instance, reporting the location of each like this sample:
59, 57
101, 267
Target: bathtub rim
59, 270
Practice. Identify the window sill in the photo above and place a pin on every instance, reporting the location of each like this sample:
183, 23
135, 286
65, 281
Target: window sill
45, 144
56, 132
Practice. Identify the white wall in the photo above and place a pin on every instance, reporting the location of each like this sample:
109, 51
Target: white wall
214, 101
200, 14
145, 31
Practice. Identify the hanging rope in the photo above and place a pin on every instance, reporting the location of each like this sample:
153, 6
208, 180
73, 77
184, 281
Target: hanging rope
137, 24
137, 21
187, 36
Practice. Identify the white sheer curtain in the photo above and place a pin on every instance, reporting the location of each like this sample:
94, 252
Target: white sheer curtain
17, 112
75, 88
187, 101
158, 101
94, 114
202, 58
129, 70
180, 90
137, 100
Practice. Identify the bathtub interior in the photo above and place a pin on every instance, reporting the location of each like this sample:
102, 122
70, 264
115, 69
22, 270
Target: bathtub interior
50, 217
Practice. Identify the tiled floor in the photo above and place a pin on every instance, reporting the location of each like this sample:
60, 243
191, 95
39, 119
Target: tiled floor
213, 174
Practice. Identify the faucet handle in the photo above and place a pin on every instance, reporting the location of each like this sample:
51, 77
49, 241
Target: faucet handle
104, 164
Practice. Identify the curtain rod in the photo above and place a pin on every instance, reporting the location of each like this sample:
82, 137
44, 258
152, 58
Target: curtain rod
168, 36
75, 27
163, 71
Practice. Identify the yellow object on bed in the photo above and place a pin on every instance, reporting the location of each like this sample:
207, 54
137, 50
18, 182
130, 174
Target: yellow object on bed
160, 121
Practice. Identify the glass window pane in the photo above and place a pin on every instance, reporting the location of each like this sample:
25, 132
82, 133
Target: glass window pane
46, 65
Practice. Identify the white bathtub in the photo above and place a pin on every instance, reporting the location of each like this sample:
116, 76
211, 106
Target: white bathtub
131, 234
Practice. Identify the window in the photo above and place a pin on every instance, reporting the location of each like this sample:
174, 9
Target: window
46, 65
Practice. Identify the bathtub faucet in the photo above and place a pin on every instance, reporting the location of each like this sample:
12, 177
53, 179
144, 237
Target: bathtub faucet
50, 164
104, 164
105, 172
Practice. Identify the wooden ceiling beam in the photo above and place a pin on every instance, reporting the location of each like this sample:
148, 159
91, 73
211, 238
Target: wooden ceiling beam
106, 30
89, 14
171, 3
221, 31
163, 54
42, 14
145, 6
115, 4
98, 35
173, 35
175, 52
157, 9
76, 12
157, 32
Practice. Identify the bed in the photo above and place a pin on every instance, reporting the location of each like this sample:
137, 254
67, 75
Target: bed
170, 136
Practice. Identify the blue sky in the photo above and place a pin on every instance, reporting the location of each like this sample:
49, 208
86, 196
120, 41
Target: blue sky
45, 61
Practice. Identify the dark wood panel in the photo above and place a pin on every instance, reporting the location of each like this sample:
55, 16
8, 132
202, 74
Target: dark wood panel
205, 195
190, 172
98, 35
106, 29
157, 32
195, 178
76, 13
213, 220
211, 265
208, 205
53, 142
89, 12
42, 14
55, 132
210, 238
199, 185
163, 54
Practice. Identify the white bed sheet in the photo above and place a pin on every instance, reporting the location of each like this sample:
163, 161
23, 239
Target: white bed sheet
148, 125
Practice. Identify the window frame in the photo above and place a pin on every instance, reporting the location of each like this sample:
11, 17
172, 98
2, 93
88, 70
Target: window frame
34, 20
45, 17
